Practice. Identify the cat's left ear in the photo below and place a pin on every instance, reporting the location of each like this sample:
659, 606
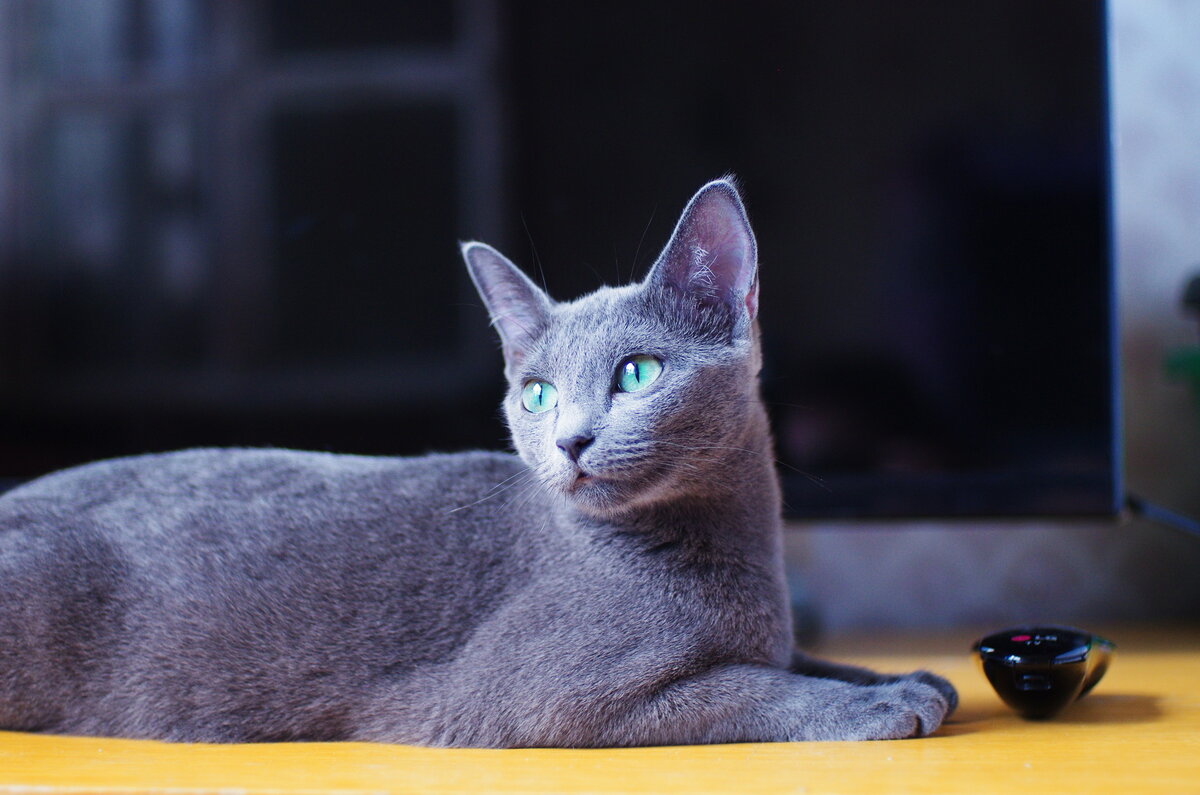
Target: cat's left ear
712, 255
519, 308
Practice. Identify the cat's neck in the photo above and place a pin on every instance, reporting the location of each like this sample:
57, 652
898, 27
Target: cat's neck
734, 500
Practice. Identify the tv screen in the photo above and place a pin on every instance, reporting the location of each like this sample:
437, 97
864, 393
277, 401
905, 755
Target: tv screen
270, 258
929, 184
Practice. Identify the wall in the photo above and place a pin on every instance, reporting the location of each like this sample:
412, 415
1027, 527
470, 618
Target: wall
991, 573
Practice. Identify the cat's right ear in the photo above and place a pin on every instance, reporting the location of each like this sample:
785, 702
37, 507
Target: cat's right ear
712, 257
518, 307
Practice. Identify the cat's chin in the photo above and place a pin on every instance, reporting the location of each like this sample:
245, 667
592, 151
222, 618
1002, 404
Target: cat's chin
602, 496
603, 492
587, 492
587, 489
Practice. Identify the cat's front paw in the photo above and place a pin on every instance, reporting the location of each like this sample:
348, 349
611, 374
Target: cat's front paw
939, 684
896, 711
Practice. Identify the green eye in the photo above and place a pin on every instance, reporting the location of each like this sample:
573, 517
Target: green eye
638, 372
539, 396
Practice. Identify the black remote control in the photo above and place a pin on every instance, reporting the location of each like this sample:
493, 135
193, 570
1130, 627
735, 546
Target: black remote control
1039, 670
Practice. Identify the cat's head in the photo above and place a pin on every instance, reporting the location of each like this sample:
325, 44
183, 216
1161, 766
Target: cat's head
636, 394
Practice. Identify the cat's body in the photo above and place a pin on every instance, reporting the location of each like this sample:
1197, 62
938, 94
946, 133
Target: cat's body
620, 583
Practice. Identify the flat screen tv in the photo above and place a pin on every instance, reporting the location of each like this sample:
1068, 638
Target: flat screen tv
236, 224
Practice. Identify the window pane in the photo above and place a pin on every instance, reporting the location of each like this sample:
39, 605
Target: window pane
118, 252
175, 32
83, 185
84, 39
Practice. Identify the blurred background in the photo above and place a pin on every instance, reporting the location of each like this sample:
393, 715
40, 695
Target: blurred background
233, 222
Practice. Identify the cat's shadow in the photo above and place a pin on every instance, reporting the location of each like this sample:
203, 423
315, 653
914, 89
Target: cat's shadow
1112, 708
1103, 708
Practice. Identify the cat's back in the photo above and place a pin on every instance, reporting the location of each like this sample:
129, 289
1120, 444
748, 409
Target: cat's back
251, 495
248, 474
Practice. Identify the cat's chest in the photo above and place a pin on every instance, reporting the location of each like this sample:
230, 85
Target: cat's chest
666, 597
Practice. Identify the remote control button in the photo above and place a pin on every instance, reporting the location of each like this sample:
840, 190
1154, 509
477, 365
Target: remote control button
1033, 682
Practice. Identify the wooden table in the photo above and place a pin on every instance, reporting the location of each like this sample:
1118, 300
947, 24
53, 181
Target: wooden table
1139, 731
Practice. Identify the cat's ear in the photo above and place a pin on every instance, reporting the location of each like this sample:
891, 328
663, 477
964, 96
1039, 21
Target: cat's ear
712, 256
519, 308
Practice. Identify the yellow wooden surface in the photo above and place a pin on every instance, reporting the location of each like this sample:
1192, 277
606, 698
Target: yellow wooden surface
1139, 731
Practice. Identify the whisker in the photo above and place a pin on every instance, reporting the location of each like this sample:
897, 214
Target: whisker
494, 491
526, 495
641, 240
533, 247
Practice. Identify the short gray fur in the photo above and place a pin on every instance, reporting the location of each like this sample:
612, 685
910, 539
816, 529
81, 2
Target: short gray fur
474, 599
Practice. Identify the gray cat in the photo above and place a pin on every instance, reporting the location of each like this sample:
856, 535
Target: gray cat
619, 583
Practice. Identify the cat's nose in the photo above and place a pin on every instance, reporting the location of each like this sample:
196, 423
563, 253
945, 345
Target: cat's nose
573, 446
